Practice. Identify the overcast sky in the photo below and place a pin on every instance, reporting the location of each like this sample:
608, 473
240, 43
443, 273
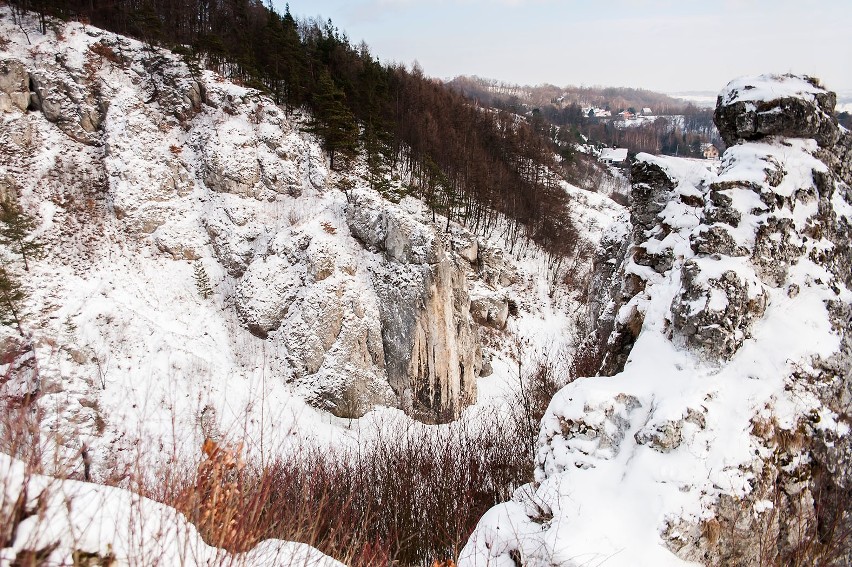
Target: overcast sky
664, 45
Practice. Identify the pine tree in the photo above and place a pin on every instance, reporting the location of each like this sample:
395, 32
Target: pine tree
334, 123
202, 282
15, 229
377, 163
11, 296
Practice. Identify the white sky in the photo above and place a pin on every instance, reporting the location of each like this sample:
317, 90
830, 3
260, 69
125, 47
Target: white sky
663, 45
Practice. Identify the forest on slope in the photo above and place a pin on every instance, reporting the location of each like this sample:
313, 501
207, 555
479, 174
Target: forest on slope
467, 163
673, 126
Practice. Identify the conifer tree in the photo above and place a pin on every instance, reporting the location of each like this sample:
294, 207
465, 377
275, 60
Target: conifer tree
202, 281
16, 227
334, 123
11, 296
377, 165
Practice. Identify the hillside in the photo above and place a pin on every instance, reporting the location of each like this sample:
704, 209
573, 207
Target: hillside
203, 275
491, 92
260, 289
593, 116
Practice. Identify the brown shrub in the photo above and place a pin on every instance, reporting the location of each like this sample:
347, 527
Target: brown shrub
410, 496
104, 51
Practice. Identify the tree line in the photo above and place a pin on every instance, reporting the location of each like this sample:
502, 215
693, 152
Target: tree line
468, 163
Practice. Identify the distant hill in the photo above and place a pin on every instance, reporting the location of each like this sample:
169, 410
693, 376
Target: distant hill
489, 91
701, 99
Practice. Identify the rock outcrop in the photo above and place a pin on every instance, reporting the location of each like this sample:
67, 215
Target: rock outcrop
14, 86
431, 345
147, 177
723, 310
792, 107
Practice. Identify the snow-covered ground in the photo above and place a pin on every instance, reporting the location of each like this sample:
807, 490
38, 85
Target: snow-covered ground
68, 520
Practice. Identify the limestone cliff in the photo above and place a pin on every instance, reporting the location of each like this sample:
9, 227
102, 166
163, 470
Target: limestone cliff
142, 173
722, 307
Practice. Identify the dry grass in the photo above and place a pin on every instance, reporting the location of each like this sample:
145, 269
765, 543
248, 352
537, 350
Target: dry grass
410, 496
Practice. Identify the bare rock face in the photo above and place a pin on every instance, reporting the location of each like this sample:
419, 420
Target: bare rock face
8, 192
609, 290
776, 105
430, 343
716, 315
14, 86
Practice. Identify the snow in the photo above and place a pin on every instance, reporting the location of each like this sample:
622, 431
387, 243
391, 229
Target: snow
613, 154
83, 517
623, 459
132, 358
768, 87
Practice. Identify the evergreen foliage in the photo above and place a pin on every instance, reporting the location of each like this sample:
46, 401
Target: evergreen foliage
11, 296
334, 122
16, 227
378, 167
470, 164
202, 281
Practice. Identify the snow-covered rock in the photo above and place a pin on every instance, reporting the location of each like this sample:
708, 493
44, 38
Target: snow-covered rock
792, 106
490, 309
724, 310
141, 170
66, 522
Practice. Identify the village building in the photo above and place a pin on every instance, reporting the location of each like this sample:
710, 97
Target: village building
613, 156
710, 151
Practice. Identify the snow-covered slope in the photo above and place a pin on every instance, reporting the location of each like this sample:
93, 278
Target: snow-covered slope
66, 522
723, 305
150, 183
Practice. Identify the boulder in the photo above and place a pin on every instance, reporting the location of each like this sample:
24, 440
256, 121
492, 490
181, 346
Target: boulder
14, 86
490, 310
493, 269
791, 106
265, 294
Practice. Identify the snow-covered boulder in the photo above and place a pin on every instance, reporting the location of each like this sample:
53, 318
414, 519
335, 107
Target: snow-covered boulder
65, 522
717, 306
266, 292
791, 106
490, 309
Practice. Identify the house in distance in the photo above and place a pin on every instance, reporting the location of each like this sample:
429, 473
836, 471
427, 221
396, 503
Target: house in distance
613, 156
710, 151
